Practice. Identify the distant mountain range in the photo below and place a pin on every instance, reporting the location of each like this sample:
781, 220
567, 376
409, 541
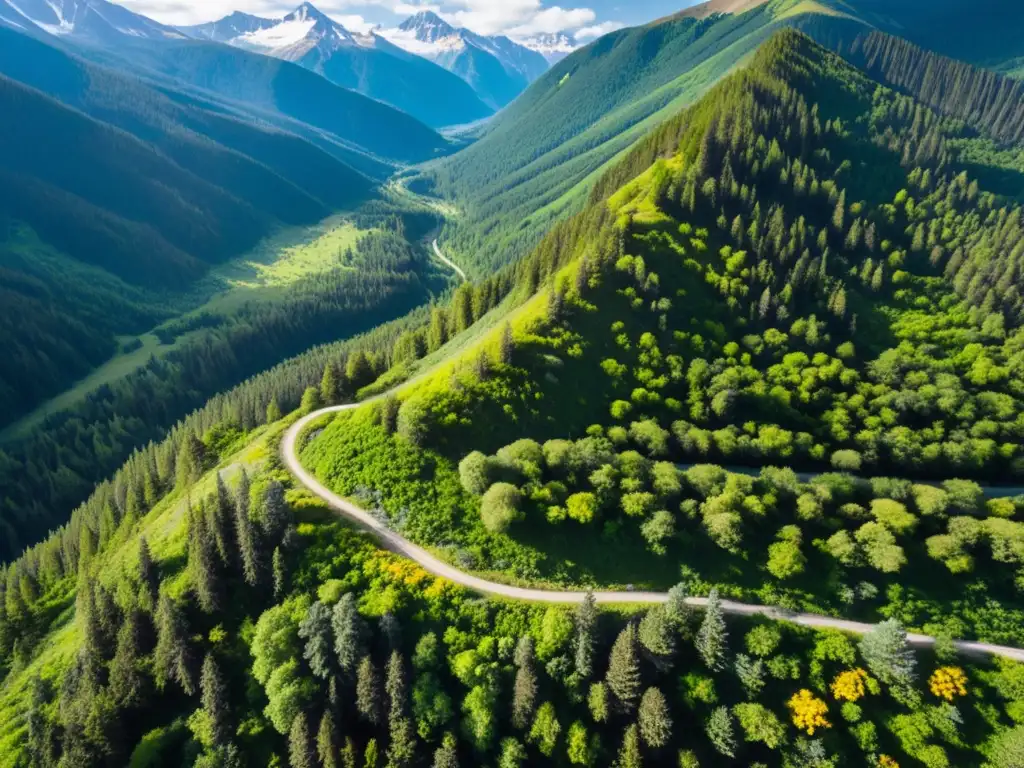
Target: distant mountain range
497, 68
553, 47
367, 63
95, 20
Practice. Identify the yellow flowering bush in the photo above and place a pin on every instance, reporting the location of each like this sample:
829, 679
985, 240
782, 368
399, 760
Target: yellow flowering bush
948, 683
884, 761
808, 712
850, 685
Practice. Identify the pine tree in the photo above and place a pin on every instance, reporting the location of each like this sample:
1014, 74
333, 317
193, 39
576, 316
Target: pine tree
349, 754
315, 629
280, 574
250, 555
654, 719
189, 464
358, 370
327, 747
148, 576
310, 400
722, 732
350, 632
172, 659
368, 699
629, 753
839, 214
273, 411
624, 670
215, 701
203, 563
506, 345
657, 637
301, 752
276, 516
127, 681
712, 638
446, 756
888, 654
222, 522
330, 393
391, 632
586, 623
524, 691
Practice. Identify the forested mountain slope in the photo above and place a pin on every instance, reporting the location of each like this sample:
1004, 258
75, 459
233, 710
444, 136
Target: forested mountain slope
539, 157
740, 289
798, 272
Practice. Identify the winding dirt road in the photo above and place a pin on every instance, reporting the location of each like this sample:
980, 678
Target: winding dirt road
402, 546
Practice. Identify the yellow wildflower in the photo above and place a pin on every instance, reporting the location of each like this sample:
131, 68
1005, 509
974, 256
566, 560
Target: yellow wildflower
948, 683
808, 712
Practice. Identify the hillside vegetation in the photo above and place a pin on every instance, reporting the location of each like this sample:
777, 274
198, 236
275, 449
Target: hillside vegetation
776, 355
752, 297
538, 159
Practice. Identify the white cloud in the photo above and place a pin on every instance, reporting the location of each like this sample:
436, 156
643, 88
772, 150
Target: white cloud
487, 17
597, 30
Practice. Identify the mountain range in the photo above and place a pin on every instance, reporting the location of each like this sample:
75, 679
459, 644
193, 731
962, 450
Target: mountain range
367, 63
497, 68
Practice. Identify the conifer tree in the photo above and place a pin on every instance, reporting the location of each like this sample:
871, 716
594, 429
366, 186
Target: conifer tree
128, 683
654, 719
276, 516
280, 573
623, 677
189, 464
657, 636
327, 747
330, 392
315, 629
203, 563
358, 370
524, 691
148, 576
273, 411
368, 698
349, 754
446, 755
629, 754
310, 400
506, 345
301, 752
586, 624
350, 632
712, 638
172, 659
222, 523
215, 701
250, 554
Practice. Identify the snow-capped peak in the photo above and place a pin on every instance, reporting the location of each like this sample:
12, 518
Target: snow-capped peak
553, 47
428, 27
309, 12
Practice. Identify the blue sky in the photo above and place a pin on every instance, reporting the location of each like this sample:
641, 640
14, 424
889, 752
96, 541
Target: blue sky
588, 18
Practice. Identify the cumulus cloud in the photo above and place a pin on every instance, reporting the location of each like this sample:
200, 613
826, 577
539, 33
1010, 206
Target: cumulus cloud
597, 30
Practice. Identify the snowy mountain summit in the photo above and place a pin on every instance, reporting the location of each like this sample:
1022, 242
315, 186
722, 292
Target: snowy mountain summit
497, 67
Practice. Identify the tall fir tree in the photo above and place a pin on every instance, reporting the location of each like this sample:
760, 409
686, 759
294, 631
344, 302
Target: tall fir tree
301, 750
327, 747
586, 625
172, 659
524, 690
713, 636
215, 700
624, 670
368, 698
